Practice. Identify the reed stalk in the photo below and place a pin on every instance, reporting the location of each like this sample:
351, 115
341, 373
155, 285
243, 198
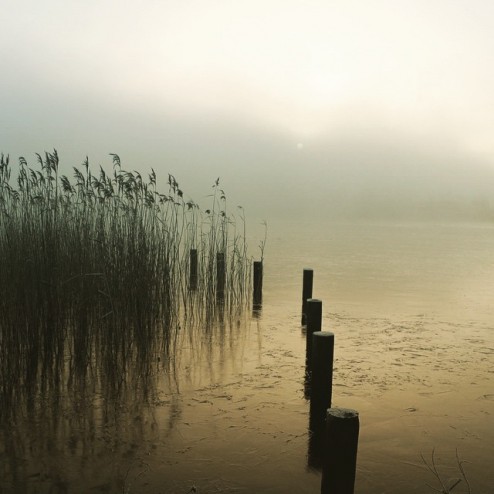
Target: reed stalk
93, 273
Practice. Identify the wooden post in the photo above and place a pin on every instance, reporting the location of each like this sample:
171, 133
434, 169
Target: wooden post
321, 371
257, 295
220, 276
193, 269
306, 291
340, 451
314, 323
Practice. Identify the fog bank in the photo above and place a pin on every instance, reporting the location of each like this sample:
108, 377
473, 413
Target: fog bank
366, 170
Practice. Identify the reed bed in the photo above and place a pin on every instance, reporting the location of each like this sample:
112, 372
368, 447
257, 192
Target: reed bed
94, 274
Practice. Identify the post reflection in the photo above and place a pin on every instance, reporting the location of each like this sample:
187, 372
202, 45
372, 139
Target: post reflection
316, 438
256, 311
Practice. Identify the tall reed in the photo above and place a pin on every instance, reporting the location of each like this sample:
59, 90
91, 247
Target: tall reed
94, 272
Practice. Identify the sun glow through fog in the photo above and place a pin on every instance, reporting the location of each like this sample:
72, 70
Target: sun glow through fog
302, 67
306, 68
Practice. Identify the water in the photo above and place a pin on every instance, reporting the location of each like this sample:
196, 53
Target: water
410, 306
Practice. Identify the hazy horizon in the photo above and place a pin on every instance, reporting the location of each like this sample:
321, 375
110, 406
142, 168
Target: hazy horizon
334, 109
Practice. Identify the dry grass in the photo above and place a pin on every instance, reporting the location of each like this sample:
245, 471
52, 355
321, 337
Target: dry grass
447, 487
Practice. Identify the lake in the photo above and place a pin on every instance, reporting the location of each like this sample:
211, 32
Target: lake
411, 309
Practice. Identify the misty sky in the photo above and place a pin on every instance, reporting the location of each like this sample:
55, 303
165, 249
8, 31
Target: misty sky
347, 106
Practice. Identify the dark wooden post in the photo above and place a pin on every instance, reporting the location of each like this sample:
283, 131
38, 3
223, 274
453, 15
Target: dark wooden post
340, 451
314, 323
220, 276
193, 269
257, 295
306, 292
321, 375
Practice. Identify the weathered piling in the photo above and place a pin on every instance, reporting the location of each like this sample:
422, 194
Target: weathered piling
308, 278
321, 378
193, 269
340, 451
314, 323
257, 285
220, 276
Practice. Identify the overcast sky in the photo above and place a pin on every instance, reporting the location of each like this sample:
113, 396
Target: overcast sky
288, 101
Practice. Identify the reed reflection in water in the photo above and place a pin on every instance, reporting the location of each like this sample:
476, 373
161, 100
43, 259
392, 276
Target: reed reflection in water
91, 423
